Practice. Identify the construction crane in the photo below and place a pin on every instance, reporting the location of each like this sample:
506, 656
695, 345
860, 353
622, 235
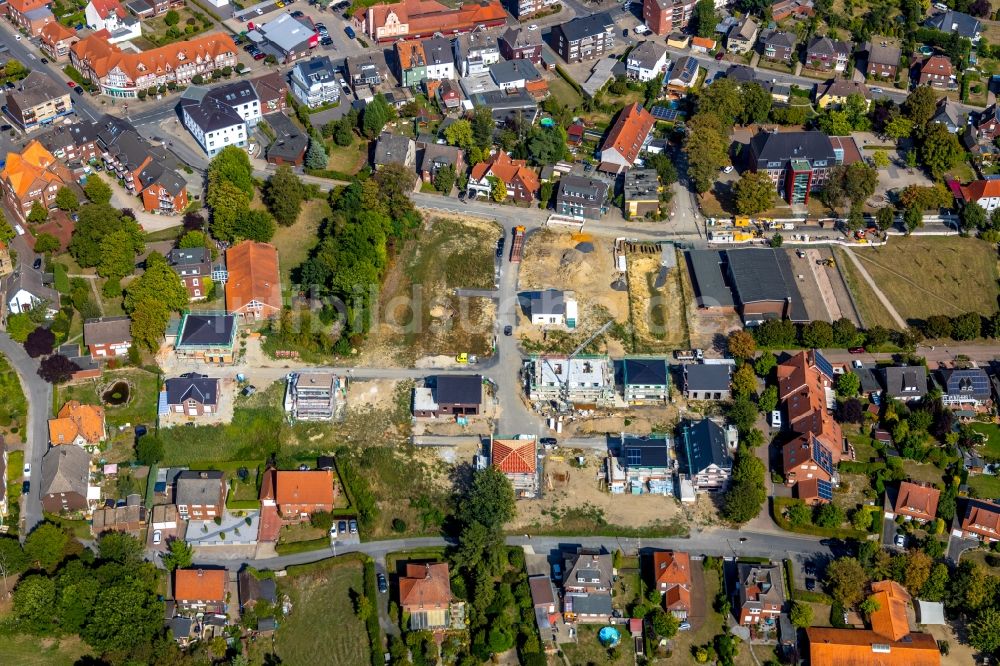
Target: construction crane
564, 381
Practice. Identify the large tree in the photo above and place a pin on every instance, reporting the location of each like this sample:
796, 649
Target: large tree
39, 342
46, 546
846, 580
117, 255
704, 18
746, 494
97, 221
939, 149
756, 103
459, 134
180, 555
741, 344
231, 165
920, 105
706, 147
316, 157
722, 98
150, 298
57, 369
66, 200
755, 193
97, 191
283, 195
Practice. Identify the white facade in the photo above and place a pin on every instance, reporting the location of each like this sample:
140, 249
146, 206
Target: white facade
989, 203
215, 140
121, 28
441, 71
23, 300
639, 72
314, 91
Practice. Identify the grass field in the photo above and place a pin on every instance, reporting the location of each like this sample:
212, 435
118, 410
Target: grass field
986, 486
991, 448
939, 275
685, 640
295, 242
141, 407
588, 650
321, 596
13, 406
564, 92
923, 472
869, 307
348, 159
21, 650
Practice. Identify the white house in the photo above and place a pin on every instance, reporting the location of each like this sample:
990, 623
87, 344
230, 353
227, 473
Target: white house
440, 59
475, 52
111, 16
553, 308
222, 116
314, 82
26, 291
646, 61
986, 193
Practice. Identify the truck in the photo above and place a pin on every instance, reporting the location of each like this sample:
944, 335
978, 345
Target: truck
689, 355
515, 247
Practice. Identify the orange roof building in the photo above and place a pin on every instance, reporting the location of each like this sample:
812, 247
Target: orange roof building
916, 501
298, 493
425, 593
702, 44
981, 520
124, 73
520, 179
413, 19
888, 642
253, 290
517, 458
627, 137
31, 15
804, 384
672, 570
202, 590
56, 40
986, 193
32, 175
79, 424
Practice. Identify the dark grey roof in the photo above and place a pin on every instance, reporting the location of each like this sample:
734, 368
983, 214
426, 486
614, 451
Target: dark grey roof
254, 589
181, 627
459, 390
707, 376
437, 155
705, 445
741, 73
869, 380
760, 275
210, 114
881, 52
641, 184
316, 70
438, 51
948, 114
65, 469
156, 173
578, 188
596, 603
290, 142
107, 330
779, 38
34, 89
645, 371
647, 54
708, 269
508, 71
266, 624
31, 281
587, 26
952, 21
207, 329
826, 46
784, 146
685, 70
645, 452
507, 103
198, 487
907, 382
587, 564
238, 92
548, 302
192, 386
189, 256
63, 136
391, 148
520, 38
972, 382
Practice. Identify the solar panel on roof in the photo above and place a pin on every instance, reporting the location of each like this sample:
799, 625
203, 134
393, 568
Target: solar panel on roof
634, 456
825, 490
665, 113
823, 364
822, 456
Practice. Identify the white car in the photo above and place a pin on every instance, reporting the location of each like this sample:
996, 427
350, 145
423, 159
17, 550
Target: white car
900, 540
27, 470
533, 27
19, 229
157, 537
776, 419
641, 29
877, 90
17, 38
728, 169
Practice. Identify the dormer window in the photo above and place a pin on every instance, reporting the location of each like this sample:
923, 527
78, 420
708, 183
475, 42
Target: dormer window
181, 55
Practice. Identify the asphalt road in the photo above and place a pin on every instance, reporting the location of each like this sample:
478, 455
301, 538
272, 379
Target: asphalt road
39, 395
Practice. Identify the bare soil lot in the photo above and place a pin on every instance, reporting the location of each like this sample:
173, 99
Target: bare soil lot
660, 308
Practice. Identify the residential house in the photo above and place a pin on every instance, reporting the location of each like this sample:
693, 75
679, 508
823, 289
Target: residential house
551, 307
794, 9
827, 54
150, 8
297, 494
56, 40
194, 267
883, 58
509, 109
123, 73
432, 157
65, 479
412, 63
253, 590
581, 380
449, 95
314, 82
779, 45
907, 383
29, 176
520, 180
666, 16
581, 198
889, 641
476, 51
915, 501
192, 394
271, 92
72, 143
26, 291
425, 596
129, 518
987, 123
835, 93
290, 141
585, 37
78, 424
517, 458
206, 337
522, 9
641, 194
952, 22
108, 336
544, 599
514, 74
707, 381
743, 36
516, 43
702, 44
38, 100
805, 388
937, 71
111, 16
200, 494
645, 380
672, 578
646, 61
221, 116
394, 149
965, 387
682, 76
981, 520
708, 460
368, 69
200, 591
315, 396
946, 113
440, 58
460, 395
413, 19
760, 595
30, 15
986, 193
641, 465
626, 139
806, 457
253, 291
798, 163
286, 37
587, 586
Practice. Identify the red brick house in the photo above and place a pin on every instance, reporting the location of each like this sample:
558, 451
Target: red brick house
936, 71
194, 266
108, 336
56, 40
298, 494
666, 16
425, 595
192, 394
761, 593
32, 15
981, 520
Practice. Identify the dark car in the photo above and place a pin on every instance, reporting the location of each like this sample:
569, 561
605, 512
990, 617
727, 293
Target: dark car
383, 584
508, 330
25, 487
6, 128
45, 61
720, 55
547, 441
78, 90
258, 56
342, 527
349, 31
37, 264
326, 41
857, 350
354, 527
297, 13
250, 47
810, 584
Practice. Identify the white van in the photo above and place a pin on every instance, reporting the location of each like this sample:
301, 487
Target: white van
19, 229
776, 419
641, 29
940, 5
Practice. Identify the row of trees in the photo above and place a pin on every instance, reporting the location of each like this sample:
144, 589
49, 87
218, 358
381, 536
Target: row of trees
230, 192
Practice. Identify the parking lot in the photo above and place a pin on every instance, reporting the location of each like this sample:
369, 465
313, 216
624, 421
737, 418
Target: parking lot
335, 43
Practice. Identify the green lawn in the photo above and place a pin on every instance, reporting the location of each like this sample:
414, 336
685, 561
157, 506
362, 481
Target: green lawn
564, 92
294, 243
685, 640
13, 406
985, 486
864, 447
22, 650
141, 407
922, 472
588, 650
991, 448
321, 596
348, 159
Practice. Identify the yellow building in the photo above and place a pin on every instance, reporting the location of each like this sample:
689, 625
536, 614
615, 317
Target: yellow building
837, 91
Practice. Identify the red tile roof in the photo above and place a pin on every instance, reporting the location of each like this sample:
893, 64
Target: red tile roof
856, 647
106, 8
981, 189
304, 487
938, 64
200, 585
890, 618
515, 456
501, 166
629, 131
425, 586
103, 57
253, 276
917, 500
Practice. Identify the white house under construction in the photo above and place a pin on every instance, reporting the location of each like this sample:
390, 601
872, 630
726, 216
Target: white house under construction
580, 381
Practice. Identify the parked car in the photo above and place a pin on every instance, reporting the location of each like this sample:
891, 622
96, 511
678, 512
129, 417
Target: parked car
809, 569
27, 470
354, 526
556, 572
349, 31
45, 61
508, 330
900, 540
71, 84
333, 530
720, 55
258, 56
25, 487
37, 264
78, 90
19, 229
383, 584
857, 350
684, 626
547, 441
326, 41
810, 584
157, 537
776, 419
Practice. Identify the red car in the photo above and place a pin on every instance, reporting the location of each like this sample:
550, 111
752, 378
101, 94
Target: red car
720, 55
856, 350
71, 84
259, 56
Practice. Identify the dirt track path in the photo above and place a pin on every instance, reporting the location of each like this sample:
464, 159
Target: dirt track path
883, 299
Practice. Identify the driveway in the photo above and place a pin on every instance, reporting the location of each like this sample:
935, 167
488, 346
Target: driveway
388, 626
